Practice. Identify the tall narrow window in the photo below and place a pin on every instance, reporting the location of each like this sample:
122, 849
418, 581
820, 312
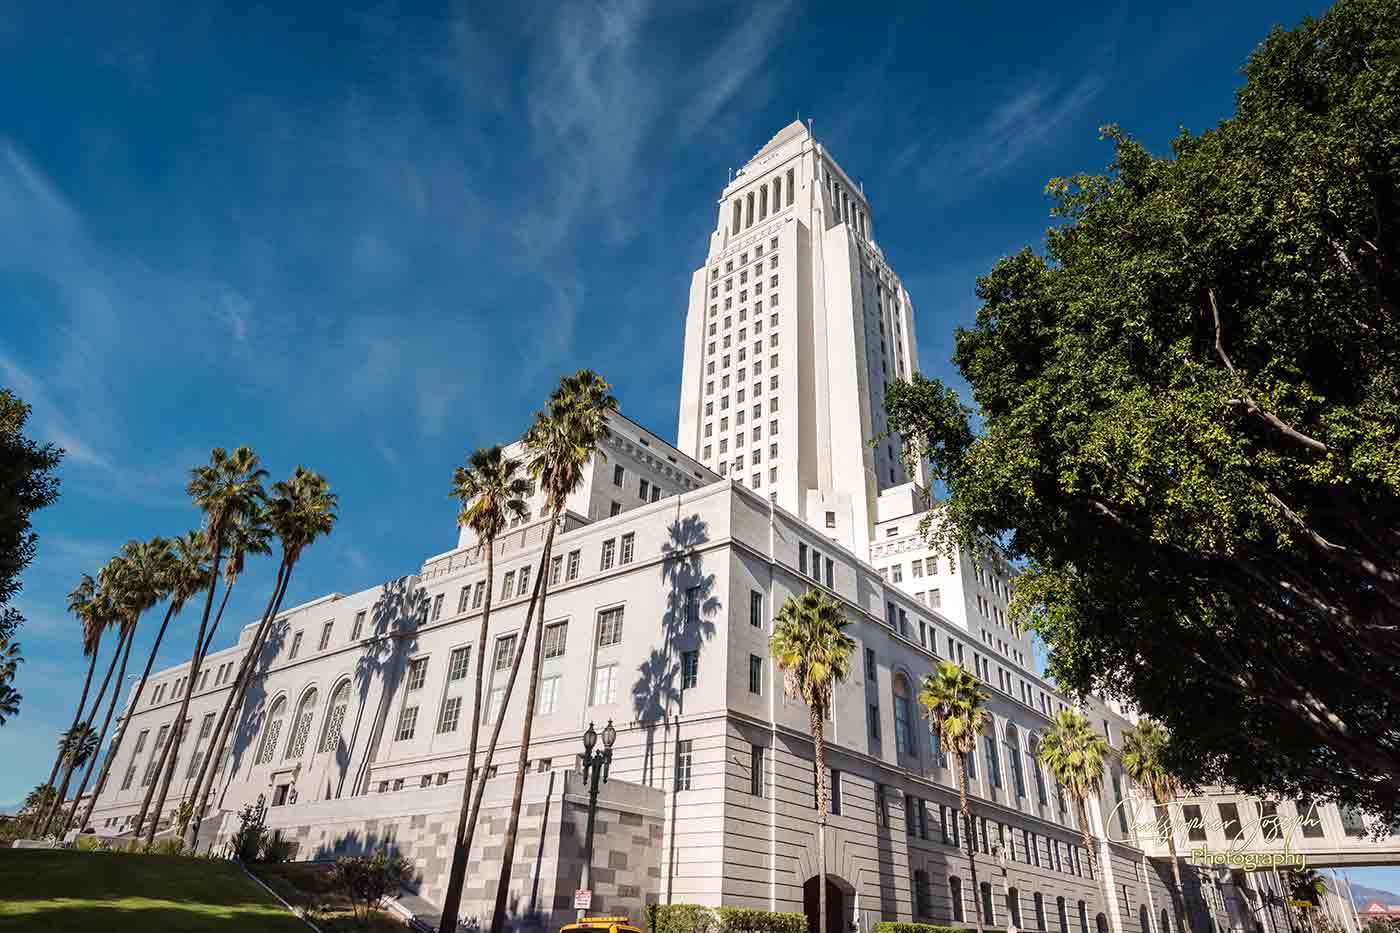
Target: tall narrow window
270, 737
408, 720
301, 726
903, 736
505, 649
330, 735
608, 553
604, 684
756, 609
755, 674
629, 541
756, 770
437, 607
609, 627
326, 635
790, 186
555, 636
685, 757
690, 669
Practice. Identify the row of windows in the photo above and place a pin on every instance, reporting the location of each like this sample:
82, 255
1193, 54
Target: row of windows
753, 207
894, 573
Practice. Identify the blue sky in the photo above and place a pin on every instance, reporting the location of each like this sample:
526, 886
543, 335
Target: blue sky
367, 239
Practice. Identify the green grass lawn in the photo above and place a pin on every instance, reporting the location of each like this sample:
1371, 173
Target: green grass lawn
57, 891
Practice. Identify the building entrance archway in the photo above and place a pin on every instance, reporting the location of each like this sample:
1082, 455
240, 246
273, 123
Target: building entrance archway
838, 904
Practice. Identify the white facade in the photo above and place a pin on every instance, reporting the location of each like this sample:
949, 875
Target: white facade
796, 326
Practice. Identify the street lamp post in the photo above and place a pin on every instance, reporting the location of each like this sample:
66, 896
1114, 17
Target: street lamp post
595, 765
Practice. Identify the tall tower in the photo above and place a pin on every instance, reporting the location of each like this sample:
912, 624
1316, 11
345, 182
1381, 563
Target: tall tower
796, 327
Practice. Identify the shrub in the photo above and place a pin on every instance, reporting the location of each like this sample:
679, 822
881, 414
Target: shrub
276, 849
249, 839
889, 926
89, 844
750, 920
367, 879
693, 918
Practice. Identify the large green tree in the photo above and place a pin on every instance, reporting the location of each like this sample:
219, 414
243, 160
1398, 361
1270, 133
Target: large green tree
27, 484
1191, 424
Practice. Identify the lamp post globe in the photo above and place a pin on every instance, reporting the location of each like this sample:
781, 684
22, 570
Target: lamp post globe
590, 738
609, 735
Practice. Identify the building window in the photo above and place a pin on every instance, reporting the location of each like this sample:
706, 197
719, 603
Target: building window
609, 627
756, 609
451, 710
988, 911
923, 896
296, 646
609, 552
505, 649
330, 735
755, 674
458, 663
756, 770
830, 571
407, 718
1013, 906
835, 795
417, 673
358, 626
870, 664
802, 558
618, 475
523, 583
437, 606
508, 585
1195, 829
604, 685
325, 636
463, 599
493, 703
572, 571
628, 540
989, 747
554, 639
874, 724
690, 669
549, 695
684, 764
903, 734
478, 592
956, 896
897, 573
643, 486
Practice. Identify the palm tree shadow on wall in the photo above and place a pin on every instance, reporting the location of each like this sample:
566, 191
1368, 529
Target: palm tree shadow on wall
254, 709
658, 695
394, 623
686, 624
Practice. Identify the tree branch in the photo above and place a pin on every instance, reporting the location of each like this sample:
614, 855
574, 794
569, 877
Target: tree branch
1247, 401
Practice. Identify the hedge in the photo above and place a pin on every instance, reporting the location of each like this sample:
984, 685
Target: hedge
889, 926
693, 918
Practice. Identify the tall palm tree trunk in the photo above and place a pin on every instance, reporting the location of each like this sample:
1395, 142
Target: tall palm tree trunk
126, 720
819, 755
56, 805
106, 721
204, 784
179, 731
1178, 892
77, 713
1083, 811
505, 701
971, 833
204, 649
452, 898
517, 795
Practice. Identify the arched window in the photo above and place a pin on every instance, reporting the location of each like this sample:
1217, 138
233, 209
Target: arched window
1039, 911
1101, 923
1083, 918
301, 726
903, 734
273, 731
955, 895
988, 910
335, 719
1013, 757
989, 748
1063, 914
1166, 922
1013, 905
1033, 747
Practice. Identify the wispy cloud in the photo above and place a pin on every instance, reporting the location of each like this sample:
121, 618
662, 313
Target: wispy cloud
1027, 118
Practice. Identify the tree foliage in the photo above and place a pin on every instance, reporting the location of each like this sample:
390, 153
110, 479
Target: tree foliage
1191, 429
27, 484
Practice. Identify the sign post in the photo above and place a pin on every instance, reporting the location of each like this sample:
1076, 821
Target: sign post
583, 900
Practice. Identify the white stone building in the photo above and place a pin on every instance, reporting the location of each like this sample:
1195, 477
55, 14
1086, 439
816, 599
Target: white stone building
668, 567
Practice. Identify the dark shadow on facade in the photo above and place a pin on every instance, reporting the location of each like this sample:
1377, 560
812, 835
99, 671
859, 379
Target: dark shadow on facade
394, 619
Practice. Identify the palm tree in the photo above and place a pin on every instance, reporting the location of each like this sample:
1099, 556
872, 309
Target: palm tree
955, 705
1143, 758
146, 568
102, 605
186, 573
1074, 753
814, 653
229, 486
301, 510
76, 746
249, 533
491, 491
560, 444
81, 603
